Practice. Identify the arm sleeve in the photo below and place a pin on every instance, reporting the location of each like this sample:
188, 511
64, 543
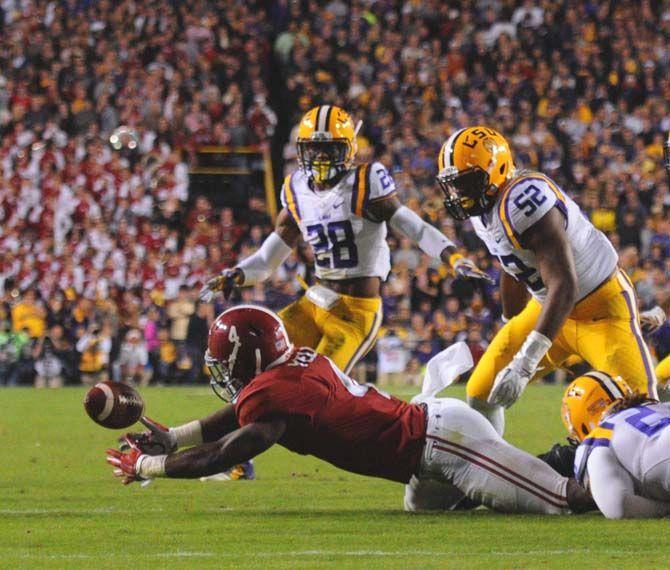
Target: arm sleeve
428, 238
263, 263
527, 202
613, 489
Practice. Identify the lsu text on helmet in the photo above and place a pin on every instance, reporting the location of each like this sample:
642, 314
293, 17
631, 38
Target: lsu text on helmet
473, 165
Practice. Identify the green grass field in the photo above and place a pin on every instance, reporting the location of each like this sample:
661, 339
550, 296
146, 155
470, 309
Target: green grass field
60, 507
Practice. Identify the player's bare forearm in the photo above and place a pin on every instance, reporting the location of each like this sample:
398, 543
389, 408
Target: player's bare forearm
235, 448
513, 294
220, 423
286, 228
385, 208
548, 241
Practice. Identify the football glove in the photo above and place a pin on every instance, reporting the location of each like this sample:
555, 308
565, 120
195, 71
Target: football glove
226, 282
652, 320
464, 267
126, 464
512, 380
158, 440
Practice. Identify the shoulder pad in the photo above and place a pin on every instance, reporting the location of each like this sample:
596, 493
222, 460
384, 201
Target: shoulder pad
525, 201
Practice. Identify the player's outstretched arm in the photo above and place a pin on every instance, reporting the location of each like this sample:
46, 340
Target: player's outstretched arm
202, 460
261, 264
429, 239
614, 491
548, 240
160, 439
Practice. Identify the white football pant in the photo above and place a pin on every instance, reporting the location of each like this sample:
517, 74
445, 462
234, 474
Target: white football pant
464, 455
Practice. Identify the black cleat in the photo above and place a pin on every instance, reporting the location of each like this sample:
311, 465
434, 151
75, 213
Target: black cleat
561, 458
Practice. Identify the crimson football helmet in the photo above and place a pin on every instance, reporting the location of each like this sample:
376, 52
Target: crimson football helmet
243, 342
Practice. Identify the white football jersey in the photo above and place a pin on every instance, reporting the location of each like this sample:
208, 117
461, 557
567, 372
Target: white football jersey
347, 241
522, 203
640, 440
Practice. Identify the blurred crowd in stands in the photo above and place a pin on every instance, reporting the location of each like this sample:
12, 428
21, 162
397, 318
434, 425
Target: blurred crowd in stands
102, 251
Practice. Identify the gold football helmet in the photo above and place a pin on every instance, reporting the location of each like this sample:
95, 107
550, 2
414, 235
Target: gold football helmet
326, 143
587, 398
473, 165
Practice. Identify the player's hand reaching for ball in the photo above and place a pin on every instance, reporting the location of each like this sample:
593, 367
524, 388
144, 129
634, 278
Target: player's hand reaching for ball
126, 463
225, 282
464, 267
157, 440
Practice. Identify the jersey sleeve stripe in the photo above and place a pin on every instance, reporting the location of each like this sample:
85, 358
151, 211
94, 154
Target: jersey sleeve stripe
362, 188
503, 211
354, 191
291, 202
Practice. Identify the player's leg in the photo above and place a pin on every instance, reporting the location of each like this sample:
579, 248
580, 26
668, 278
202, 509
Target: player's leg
464, 449
500, 352
609, 335
299, 318
350, 330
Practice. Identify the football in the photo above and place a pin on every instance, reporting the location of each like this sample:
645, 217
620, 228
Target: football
114, 405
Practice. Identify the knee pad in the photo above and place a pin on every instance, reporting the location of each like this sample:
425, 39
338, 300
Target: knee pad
494, 413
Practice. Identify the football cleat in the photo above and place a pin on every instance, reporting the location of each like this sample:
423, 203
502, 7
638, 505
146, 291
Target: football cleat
243, 471
561, 458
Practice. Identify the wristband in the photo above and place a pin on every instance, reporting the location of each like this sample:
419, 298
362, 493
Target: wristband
150, 466
188, 435
533, 350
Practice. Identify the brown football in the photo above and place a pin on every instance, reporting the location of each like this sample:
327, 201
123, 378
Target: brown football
113, 405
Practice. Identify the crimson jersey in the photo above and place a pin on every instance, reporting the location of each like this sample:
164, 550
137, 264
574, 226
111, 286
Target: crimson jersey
353, 426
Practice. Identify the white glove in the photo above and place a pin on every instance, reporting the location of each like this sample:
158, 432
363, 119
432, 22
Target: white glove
512, 380
652, 319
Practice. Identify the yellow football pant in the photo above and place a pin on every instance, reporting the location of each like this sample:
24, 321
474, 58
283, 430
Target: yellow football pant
344, 334
663, 370
603, 328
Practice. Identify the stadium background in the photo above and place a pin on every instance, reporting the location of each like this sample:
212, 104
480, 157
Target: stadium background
103, 250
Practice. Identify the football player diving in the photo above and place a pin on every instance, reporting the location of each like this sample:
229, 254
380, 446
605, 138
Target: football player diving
562, 291
300, 399
342, 210
624, 451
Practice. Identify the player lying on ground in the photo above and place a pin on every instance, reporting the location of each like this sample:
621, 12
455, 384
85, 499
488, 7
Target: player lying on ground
342, 210
624, 454
301, 400
580, 302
